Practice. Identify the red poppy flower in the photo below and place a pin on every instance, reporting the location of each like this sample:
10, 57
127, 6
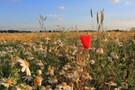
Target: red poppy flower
86, 40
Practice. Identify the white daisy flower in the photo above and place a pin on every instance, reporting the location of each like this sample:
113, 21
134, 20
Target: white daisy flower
48, 87
124, 85
89, 88
52, 80
86, 75
25, 66
39, 72
64, 86
133, 41
67, 66
114, 55
16, 88
111, 83
92, 62
38, 81
50, 71
100, 51
6, 82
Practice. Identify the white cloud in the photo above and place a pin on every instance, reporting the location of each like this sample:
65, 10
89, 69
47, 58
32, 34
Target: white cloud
116, 1
56, 17
61, 7
127, 2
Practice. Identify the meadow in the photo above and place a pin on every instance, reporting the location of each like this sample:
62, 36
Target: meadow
59, 61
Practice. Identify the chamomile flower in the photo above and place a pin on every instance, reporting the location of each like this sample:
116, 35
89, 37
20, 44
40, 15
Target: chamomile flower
40, 63
62, 72
117, 42
86, 75
100, 51
12, 61
50, 71
64, 86
38, 81
114, 55
25, 66
92, 62
52, 80
48, 87
133, 41
67, 66
39, 72
40, 47
124, 85
119, 88
16, 88
47, 40
6, 82
29, 88
89, 88
42, 88
111, 83
27, 53
105, 39
30, 57
58, 88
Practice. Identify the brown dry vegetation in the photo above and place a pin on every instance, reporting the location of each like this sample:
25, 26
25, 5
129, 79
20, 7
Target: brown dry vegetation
28, 37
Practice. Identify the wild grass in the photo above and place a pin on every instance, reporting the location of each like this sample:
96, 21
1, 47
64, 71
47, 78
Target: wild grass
58, 61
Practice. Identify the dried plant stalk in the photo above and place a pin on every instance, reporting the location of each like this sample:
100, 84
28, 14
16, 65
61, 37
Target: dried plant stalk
91, 13
102, 16
97, 18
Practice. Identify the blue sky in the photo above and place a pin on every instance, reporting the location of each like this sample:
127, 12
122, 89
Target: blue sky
24, 14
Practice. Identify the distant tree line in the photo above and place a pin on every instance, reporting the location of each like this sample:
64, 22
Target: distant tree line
25, 31
14, 31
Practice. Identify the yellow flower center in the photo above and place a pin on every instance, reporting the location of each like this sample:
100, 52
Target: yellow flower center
37, 80
64, 84
29, 88
48, 87
26, 63
126, 84
23, 85
87, 74
90, 89
71, 84
8, 81
58, 88
40, 46
111, 82
62, 71
11, 59
39, 72
27, 75
50, 69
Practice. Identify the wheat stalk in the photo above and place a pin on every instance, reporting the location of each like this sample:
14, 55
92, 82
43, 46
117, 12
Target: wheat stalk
97, 18
102, 16
91, 13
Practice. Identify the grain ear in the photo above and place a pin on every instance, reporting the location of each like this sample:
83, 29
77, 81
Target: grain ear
91, 13
102, 16
97, 18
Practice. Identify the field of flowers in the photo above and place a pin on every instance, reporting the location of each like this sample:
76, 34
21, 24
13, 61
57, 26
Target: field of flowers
67, 61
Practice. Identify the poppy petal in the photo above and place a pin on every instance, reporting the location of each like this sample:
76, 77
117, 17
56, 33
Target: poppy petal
86, 40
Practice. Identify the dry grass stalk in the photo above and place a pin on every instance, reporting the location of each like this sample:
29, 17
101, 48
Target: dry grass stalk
91, 13
97, 18
102, 16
